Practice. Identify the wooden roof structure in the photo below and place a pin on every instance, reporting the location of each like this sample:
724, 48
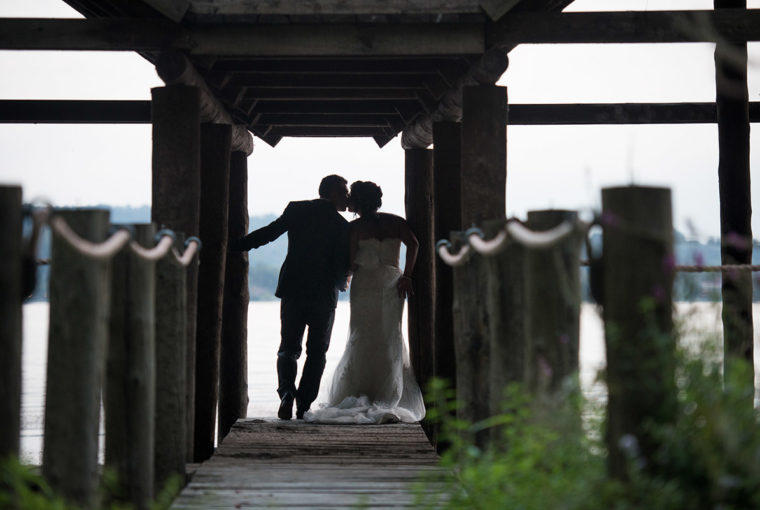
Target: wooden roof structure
363, 68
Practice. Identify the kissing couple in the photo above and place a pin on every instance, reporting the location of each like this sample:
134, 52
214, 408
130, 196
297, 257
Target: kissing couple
373, 382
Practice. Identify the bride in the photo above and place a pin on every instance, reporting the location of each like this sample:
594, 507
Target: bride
374, 382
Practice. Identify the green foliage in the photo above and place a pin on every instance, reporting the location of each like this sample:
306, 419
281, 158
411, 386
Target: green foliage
549, 453
21, 488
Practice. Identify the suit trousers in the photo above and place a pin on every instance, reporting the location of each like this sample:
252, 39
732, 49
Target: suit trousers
295, 315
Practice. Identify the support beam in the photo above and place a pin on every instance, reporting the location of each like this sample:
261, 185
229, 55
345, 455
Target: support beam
233, 383
11, 281
214, 214
175, 69
274, 40
364, 102
176, 197
625, 27
735, 198
484, 154
419, 214
447, 181
345, 7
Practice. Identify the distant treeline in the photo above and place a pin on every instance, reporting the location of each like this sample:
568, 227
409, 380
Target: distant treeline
265, 262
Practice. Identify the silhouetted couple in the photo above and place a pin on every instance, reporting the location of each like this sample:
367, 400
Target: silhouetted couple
373, 382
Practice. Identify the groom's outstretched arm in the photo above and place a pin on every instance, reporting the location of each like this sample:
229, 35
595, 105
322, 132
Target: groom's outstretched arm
263, 235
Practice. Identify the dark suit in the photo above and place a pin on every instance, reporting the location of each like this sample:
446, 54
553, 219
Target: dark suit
315, 269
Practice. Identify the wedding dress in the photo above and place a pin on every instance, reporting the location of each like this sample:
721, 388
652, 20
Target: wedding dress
373, 382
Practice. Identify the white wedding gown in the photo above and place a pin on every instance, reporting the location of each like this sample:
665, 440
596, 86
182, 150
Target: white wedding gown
373, 382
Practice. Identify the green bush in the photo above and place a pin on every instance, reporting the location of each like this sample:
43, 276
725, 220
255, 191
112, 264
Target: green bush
21, 488
550, 454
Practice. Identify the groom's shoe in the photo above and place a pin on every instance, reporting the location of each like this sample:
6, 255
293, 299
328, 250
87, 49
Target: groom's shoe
286, 407
299, 413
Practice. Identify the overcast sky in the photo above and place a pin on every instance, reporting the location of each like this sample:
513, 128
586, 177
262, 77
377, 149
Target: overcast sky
560, 166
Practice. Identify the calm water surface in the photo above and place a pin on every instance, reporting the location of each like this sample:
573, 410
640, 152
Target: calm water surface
263, 339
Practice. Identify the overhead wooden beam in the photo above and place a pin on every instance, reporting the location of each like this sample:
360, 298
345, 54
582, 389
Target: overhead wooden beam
175, 69
353, 94
619, 113
325, 80
397, 65
173, 9
74, 112
347, 7
625, 27
346, 120
346, 39
96, 34
367, 132
378, 107
26, 111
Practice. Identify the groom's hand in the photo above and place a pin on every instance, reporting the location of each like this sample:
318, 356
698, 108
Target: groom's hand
405, 287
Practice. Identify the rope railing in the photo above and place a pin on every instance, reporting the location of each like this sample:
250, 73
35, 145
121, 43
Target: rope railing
120, 238
515, 231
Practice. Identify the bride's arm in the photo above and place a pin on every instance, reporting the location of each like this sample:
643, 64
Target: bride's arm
404, 285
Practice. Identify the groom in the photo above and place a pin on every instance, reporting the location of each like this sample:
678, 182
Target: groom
315, 268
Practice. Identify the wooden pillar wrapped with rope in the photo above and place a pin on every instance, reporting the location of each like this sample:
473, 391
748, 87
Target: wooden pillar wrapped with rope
131, 372
175, 114
171, 373
78, 332
637, 286
554, 302
11, 324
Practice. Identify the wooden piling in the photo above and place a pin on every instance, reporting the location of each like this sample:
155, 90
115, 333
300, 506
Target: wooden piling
447, 177
471, 339
637, 271
484, 154
554, 298
131, 373
215, 181
233, 382
421, 306
11, 323
171, 371
732, 100
505, 283
79, 309
175, 114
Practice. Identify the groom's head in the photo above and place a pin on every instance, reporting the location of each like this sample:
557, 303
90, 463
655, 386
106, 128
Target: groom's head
335, 189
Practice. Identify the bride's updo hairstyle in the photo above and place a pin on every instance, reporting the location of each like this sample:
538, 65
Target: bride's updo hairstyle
366, 197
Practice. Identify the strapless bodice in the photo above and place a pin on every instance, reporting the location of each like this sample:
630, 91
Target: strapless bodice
374, 252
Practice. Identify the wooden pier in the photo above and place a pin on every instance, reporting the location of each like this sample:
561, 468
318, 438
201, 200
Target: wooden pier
269, 463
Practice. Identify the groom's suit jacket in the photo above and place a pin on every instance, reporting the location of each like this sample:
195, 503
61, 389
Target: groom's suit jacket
316, 265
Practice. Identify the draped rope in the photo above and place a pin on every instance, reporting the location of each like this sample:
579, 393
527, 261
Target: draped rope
122, 237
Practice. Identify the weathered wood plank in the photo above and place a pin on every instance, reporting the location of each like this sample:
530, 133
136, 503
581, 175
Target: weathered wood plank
351, 7
271, 463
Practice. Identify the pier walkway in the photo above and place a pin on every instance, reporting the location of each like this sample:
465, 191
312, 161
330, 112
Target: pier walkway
269, 463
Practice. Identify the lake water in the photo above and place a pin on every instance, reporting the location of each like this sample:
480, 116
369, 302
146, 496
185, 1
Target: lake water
263, 340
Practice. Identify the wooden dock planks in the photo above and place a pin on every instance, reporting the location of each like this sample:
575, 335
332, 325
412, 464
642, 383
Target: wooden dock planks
280, 464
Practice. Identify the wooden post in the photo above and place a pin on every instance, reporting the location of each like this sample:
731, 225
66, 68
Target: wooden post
735, 196
171, 367
79, 308
447, 183
638, 323
233, 383
508, 310
215, 183
419, 214
471, 339
554, 299
484, 154
175, 113
10, 325
131, 372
